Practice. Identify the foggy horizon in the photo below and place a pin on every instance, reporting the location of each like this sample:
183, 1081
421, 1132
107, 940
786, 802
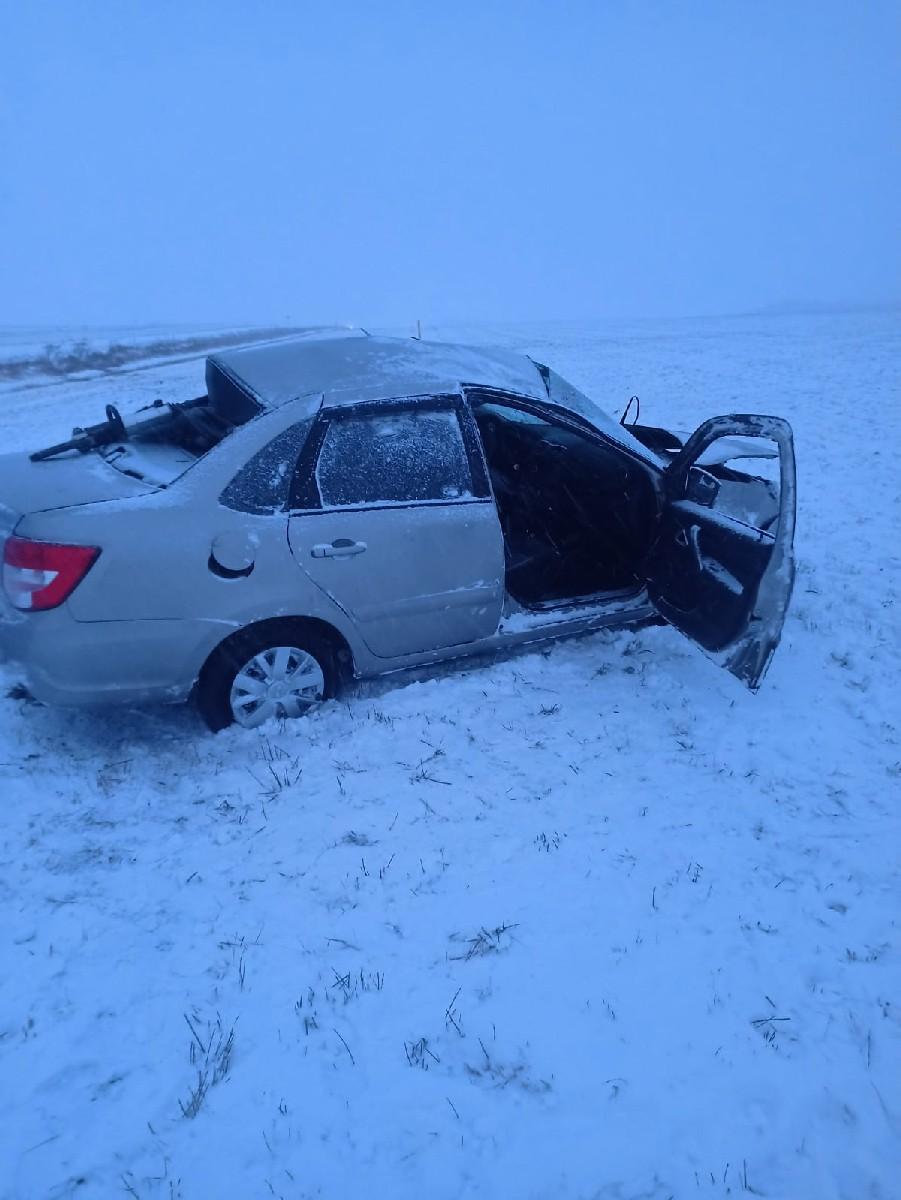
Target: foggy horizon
314, 165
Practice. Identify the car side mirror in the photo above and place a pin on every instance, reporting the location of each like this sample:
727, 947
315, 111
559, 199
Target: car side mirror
701, 487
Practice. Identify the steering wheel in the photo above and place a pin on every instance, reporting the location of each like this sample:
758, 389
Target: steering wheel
114, 417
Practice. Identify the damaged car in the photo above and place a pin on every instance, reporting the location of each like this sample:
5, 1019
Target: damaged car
340, 505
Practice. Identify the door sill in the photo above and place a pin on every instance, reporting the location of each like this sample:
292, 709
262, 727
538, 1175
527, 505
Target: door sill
582, 611
594, 600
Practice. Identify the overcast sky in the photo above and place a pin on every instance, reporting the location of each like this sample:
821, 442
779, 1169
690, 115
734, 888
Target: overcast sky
378, 161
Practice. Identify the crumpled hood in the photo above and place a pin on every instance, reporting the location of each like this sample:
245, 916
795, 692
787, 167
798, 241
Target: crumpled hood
27, 487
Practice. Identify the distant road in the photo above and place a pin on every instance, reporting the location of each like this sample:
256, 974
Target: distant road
53, 366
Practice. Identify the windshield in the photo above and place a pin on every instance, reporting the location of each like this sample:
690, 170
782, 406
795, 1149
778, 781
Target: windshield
561, 392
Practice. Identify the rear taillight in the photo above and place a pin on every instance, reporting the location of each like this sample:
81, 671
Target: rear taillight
41, 575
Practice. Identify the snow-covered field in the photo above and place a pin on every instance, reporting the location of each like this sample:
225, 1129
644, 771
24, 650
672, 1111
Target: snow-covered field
588, 922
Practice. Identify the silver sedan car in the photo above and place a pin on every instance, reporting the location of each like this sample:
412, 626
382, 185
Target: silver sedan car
345, 505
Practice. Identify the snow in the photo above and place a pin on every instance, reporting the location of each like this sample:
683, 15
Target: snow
589, 921
395, 457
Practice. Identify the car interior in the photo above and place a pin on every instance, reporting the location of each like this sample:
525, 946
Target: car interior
577, 515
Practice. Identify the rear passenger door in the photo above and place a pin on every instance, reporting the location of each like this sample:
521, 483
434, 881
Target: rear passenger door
392, 518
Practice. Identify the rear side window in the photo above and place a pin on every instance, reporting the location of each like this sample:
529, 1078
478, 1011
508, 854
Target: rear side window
393, 457
263, 485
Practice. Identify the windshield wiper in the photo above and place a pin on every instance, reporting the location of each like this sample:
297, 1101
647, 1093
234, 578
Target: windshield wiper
114, 429
82, 440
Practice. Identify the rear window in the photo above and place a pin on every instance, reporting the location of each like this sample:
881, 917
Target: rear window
161, 441
165, 441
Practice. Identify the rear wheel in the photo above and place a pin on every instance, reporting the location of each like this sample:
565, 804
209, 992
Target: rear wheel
275, 670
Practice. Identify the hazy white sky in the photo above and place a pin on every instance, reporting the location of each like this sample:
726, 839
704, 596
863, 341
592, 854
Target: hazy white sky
377, 161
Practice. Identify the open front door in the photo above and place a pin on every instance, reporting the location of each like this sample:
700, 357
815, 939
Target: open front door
721, 568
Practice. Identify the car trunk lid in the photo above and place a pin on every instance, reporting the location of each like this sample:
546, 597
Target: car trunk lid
27, 486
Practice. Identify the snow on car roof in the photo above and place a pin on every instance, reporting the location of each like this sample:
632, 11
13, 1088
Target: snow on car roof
349, 366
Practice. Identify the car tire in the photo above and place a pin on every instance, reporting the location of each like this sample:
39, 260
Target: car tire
291, 666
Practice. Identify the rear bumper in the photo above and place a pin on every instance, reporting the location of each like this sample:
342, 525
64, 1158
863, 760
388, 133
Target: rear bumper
106, 662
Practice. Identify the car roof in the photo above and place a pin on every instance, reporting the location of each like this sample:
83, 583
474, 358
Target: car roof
348, 366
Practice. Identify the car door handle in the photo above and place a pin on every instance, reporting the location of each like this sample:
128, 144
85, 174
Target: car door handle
693, 539
339, 548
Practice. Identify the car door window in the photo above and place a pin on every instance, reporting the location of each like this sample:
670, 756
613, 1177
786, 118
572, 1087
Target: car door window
577, 512
514, 416
393, 456
748, 487
263, 484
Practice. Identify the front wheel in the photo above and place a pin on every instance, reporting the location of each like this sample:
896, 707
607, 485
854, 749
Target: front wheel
277, 670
